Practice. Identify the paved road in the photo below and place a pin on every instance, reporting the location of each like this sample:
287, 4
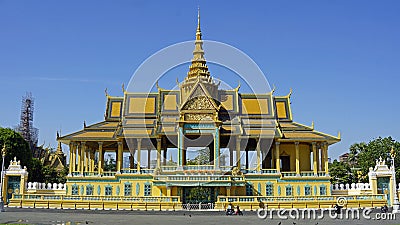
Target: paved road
52, 216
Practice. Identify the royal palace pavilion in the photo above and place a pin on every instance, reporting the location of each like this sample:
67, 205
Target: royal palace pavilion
250, 148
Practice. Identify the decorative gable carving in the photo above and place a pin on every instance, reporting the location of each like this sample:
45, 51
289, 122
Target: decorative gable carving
199, 103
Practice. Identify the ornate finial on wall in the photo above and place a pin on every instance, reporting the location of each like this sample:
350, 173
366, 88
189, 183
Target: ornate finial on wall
84, 124
123, 87
106, 92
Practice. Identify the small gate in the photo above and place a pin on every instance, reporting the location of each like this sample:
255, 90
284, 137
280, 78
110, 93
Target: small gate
197, 206
13, 186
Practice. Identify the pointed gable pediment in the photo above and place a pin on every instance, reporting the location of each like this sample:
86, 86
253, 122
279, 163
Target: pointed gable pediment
199, 99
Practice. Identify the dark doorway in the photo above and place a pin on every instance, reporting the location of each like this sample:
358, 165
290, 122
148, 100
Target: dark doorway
285, 161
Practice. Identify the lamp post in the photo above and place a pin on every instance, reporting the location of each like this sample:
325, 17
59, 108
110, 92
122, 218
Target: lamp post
3, 153
395, 197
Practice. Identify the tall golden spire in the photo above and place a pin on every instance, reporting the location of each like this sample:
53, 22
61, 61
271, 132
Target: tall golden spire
198, 31
198, 67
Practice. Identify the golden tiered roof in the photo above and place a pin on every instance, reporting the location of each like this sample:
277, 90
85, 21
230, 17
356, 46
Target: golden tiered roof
138, 115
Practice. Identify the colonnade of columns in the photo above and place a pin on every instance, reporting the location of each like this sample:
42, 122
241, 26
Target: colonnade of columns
82, 157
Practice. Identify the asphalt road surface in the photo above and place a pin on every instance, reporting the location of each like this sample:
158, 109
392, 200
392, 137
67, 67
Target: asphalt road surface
72, 217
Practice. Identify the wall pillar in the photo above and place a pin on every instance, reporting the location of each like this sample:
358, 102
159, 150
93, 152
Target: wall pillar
181, 146
71, 158
315, 163
277, 157
216, 148
87, 157
79, 150
101, 159
120, 157
326, 162
230, 156
139, 148
258, 147
296, 145
238, 164
158, 153
92, 153
169, 189
228, 191
82, 162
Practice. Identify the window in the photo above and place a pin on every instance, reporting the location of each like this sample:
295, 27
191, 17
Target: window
108, 190
74, 189
269, 190
249, 190
307, 190
147, 190
89, 189
289, 190
322, 190
128, 189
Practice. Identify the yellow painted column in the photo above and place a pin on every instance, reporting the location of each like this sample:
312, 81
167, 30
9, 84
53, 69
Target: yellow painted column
92, 160
258, 155
158, 152
169, 191
71, 158
296, 145
139, 147
82, 161
228, 191
78, 148
119, 158
74, 149
101, 159
87, 161
238, 164
315, 164
318, 158
277, 159
326, 162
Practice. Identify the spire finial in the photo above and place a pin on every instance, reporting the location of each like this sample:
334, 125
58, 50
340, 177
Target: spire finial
198, 19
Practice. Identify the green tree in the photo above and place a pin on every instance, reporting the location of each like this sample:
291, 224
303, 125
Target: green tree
36, 171
340, 173
110, 164
203, 158
16, 146
366, 155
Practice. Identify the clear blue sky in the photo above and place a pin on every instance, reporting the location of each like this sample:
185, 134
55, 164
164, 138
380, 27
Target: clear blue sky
342, 58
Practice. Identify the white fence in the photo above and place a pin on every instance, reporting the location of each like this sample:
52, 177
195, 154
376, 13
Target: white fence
352, 186
42, 186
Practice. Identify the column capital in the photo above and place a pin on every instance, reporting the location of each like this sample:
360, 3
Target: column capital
277, 143
139, 140
100, 143
120, 143
83, 142
296, 143
159, 139
314, 144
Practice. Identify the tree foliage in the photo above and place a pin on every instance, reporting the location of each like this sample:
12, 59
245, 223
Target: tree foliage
16, 146
362, 156
340, 173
